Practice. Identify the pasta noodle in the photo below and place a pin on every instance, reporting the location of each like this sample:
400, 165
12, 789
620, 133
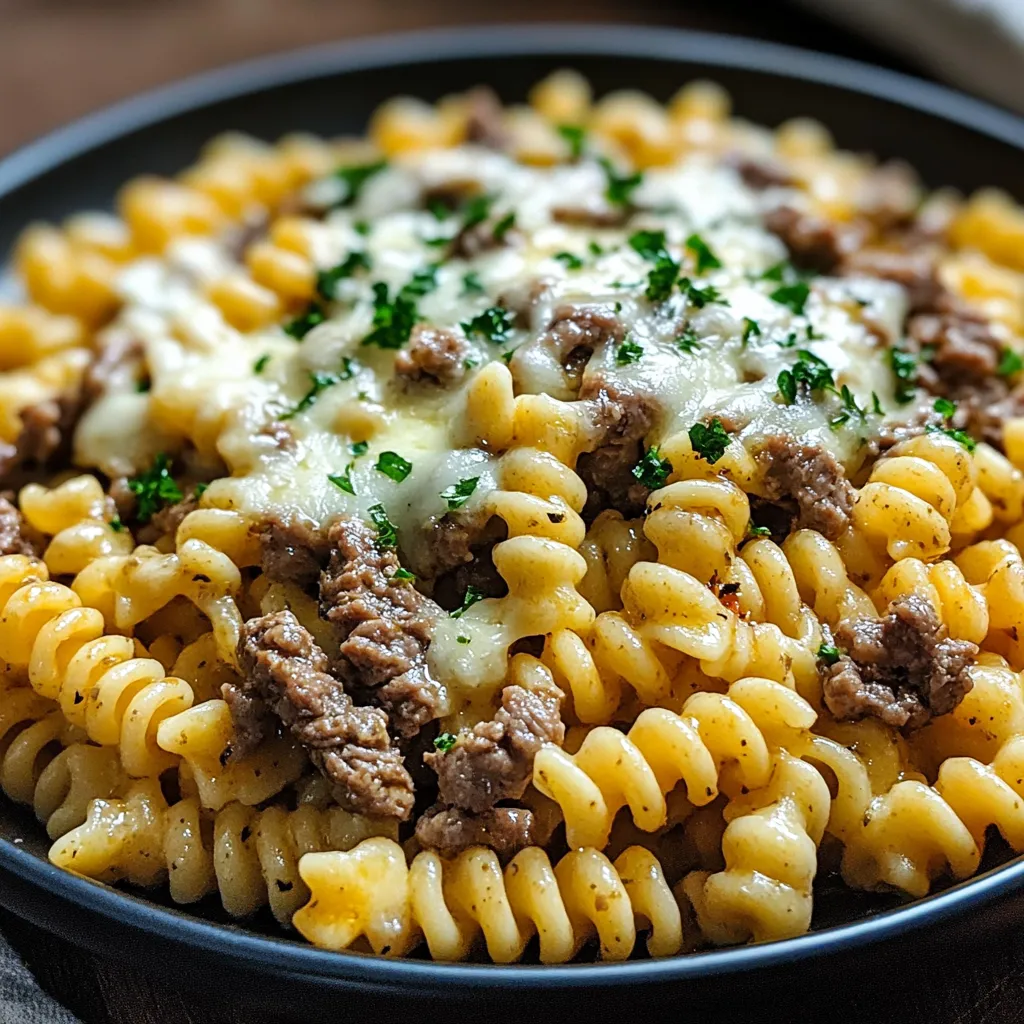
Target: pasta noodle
522, 532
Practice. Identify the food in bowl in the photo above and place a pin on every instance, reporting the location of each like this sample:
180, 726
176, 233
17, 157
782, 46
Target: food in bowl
590, 520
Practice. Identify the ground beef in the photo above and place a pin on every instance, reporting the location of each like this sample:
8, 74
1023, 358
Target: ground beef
761, 172
522, 297
608, 475
292, 550
494, 760
283, 667
45, 438
811, 479
485, 124
434, 354
902, 668
914, 269
16, 536
892, 433
594, 211
813, 242
506, 830
576, 330
384, 626
168, 519
123, 498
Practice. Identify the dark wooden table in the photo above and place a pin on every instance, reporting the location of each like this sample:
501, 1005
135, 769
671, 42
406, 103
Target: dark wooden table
61, 58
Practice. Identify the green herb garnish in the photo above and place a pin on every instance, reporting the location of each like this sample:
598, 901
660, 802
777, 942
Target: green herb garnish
343, 480
751, 329
348, 368
305, 322
462, 639
116, 525
470, 598
688, 340
829, 654
393, 320
445, 741
701, 297
355, 177
1010, 363
706, 259
458, 494
494, 324
620, 187
628, 352
318, 382
392, 465
387, 535
476, 211
794, 296
904, 366
471, 284
809, 373
649, 244
571, 261
154, 489
652, 470
327, 280
261, 364
576, 136
403, 574
709, 441
502, 228
945, 408
358, 448
757, 531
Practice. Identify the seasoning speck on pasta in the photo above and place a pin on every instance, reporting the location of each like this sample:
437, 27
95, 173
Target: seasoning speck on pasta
563, 520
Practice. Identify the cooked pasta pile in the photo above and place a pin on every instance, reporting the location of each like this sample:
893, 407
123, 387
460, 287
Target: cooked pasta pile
590, 520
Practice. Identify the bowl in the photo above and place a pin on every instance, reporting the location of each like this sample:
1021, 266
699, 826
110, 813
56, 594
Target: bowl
332, 89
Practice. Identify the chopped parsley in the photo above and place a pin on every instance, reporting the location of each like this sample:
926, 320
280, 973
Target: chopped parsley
392, 465
507, 356
904, 366
355, 177
317, 382
494, 324
751, 329
794, 296
688, 340
876, 405
387, 536
116, 525
701, 297
809, 373
1010, 363
476, 211
757, 531
200, 490
327, 280
470, 598
781, 272
662, 278
620, 187
471, 284
649, 244
462, 639
343, 481
445, 740
850, 409
261, 364
143, 386
652, 470
305, 322
829, 653
947, 409
628, 352
423, 282
348, 368
403, 574
502, 228
706, 259
576, 136
154, 488
458, 494
571, 261
393, 320
594, 248
438, 208
709, 441
358, 448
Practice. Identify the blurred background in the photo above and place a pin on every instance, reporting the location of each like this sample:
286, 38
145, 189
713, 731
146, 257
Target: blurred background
62, 58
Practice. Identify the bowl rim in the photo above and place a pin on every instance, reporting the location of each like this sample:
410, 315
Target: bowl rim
289, 957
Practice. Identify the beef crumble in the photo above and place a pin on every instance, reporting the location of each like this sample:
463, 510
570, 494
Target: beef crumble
292, 550
284, 672
493, 761
506, 830
902, 668
16, 536
814, 243
809, 480
384, 625
434, 354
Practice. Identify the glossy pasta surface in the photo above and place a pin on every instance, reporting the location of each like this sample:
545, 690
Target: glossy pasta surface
527, 533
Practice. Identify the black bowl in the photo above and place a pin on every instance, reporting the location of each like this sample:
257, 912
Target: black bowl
952, 140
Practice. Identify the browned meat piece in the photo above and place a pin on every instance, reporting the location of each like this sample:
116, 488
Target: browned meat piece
251, 719
168, 519
914, 269
592, 212
494, 760
16, 536
280, 434
761, 172
119, 363
123, 497
608, 475
284, 668
433, 354
814, 242
578, 329
45, 438
523, 297
812, 479
456, 554
485, 124
384, 625
506, 830
893, 433
292, 550
902, 668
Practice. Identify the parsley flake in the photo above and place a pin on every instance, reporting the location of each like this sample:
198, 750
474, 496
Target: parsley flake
947, 409
794, 296
317, 382
649, 244
620, 187
809, 373
571, 261
944, 407
343, 481
116, 525
348, 368
393, 321
709, 441
355, 177
423, 282
576, 136
751, 329
438, 208
701, 297
471, 284
829, 653
392, 465
652, 470
154, 488
462, 639
706, 259
387, 535
403, 574
470, 598
358, 448
445, 741
494, 324
305, 322
476, 211
850, 409
1010, 363
327, 280
628, 352
904, 366
688, 340
458, 494
757, 531
261, 364
502, 228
